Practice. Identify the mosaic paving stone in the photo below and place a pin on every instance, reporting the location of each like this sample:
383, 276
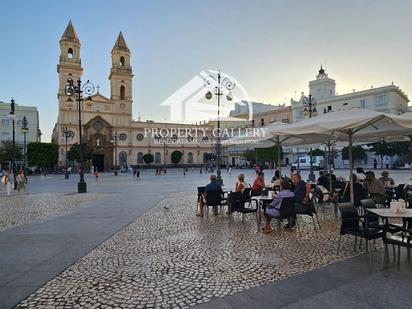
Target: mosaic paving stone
21, 209
169, 258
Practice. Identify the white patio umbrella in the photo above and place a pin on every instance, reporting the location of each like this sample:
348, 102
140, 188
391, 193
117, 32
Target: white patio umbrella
269, 139
352, 125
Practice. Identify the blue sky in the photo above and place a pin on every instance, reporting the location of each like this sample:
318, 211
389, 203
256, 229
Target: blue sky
272, 47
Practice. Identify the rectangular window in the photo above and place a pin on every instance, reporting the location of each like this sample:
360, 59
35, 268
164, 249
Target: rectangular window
262, 121
381, 100
362, 103
5, 120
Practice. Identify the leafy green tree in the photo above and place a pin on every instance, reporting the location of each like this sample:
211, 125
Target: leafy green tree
250, 155
42, 154
268, 154
176, 156
74, 152
389, 149
148, 158
7, 153
317, 152
358, 153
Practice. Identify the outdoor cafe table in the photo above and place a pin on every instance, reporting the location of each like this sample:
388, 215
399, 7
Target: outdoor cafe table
260, 200
389, 213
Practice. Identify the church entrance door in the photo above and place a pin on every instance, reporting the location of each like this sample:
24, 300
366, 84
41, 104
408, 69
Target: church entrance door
98, 162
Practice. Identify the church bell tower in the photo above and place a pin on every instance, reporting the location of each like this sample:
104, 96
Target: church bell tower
121, 78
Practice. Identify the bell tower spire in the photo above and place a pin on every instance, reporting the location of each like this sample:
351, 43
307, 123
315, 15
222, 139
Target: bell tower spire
69, 66
121, 76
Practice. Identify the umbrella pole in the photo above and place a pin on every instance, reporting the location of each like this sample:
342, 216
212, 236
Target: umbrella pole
329, 167
279, 163
352, 199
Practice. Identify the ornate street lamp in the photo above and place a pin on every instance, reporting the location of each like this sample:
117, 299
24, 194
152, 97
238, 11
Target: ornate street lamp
78, 91
309, 104
220, 87
24, 130
12, 116
114, 142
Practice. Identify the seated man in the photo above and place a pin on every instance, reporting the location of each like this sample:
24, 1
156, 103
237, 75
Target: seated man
273, 208
258, 184
358, 193
212, 186
387, 181
375, 188
301, 190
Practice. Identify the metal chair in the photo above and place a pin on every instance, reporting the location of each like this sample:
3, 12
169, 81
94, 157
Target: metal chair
352, 224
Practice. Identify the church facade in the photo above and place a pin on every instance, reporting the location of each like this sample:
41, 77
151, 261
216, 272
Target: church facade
108, 127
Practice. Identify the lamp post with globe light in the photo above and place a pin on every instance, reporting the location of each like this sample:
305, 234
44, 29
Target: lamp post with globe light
309, 104
78, 91
220, 87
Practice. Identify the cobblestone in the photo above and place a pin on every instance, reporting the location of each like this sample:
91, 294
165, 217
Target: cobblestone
169, 258
21, 209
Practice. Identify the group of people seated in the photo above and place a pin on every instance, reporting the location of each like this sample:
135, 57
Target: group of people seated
365, 184
294, 187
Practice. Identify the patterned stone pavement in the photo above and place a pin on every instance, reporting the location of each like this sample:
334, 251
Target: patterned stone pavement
21, 209
171, 258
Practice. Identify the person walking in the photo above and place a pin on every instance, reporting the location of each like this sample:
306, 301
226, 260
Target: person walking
375, 163
9, 182
137, 174
21, 181
96, 174
134, 173
387, 163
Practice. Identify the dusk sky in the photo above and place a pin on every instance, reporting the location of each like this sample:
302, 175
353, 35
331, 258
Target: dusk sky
272, 47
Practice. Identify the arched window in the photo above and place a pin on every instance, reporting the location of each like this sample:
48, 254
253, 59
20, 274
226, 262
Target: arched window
157, 158
123, 158
122, 93
122, 62
140, 157
70, 53
190, 158
205, 157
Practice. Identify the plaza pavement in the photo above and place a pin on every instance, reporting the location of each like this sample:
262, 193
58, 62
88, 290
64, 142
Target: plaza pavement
34, 253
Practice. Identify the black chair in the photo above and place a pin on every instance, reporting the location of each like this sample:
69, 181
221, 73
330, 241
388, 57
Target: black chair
372, 219
352, 224
400, 193
247, 195
287, 210
401, 239
308, 209
237, 204
200, 192
213, 199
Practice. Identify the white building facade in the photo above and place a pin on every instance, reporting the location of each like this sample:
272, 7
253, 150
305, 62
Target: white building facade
388, 99
6, 123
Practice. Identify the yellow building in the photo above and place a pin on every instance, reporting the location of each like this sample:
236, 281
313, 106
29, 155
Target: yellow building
107, 124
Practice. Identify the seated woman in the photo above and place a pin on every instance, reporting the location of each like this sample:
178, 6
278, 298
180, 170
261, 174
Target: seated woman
258, 184
275, 182
240, 185
273, 208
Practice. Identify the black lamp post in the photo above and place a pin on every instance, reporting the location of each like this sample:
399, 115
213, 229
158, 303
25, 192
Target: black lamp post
12, 115
309, 103
78, 91
220, 86
24, 130
67, 134
114, 141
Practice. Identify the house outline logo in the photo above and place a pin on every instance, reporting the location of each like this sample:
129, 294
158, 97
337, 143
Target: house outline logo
188, 101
